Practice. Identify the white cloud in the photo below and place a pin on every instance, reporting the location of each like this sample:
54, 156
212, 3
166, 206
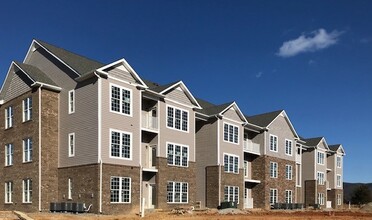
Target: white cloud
317, 40
259, 74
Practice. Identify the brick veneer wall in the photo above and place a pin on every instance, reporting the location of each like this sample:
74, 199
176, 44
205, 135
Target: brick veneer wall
332, 196
212, 186
310, 192
232, 179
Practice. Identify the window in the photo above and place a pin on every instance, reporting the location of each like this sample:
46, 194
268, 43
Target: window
288, 147
320, 158
231, 163
273, 143
8, 192
121, 145
177, 192
8, 154
71, 144
27, 191
288, 172
27, 150
339, 199
338, 161
288, 196
230, 133
27, 109
69, 188
273, 170
120, 189
339, 181
9, 117
273, 196
71, 101
321, 198
320, 178
121, 100
231, 194
177, 118
178, 155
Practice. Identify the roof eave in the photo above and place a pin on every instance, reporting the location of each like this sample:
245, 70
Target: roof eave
47, 86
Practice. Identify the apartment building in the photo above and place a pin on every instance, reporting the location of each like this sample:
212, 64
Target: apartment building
77, 130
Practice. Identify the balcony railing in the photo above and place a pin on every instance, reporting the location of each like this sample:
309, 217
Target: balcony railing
248, 203
298, 158
149, 121
251, 147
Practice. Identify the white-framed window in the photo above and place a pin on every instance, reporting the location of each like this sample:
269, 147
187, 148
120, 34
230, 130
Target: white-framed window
288, 196
273, 196
246, 168
338, 180
8, 192
27, 150
120, 189
338, 161
121, 144
273, 170
71, 144
273, 143
231, 133
231, 194
121, 100
177, 155
9, 154
177, 192
288, 147
9, 117
177, 118
321, 198
288, 172
27, 191
27, 109
320, 158
71, 101
320, 178
339, 199
231, 163
69, 188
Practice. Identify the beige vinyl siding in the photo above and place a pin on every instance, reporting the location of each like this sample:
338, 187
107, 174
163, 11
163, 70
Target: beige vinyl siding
179, 95
231, 148
15, 85
232, 114
331, 175
321, 168
124, 123
308, 166
120, 72
281, 128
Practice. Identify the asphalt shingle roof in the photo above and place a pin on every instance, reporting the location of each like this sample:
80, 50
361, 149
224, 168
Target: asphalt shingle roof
334, 147
312, 141
36, 74
211, 109
264, 119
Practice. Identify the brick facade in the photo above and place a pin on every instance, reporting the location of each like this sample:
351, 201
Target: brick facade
332, 196
212, 186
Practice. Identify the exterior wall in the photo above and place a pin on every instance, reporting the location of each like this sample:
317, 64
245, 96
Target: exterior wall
299, 195
213, 188
14, 86
228, 147
232, 114
308, 165
121, 73
332, 196
231, 179
179, 95
310, 189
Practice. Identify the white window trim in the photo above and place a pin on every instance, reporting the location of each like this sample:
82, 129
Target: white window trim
275, 174
24, 183
287, 192
339, 165
174, 192
10, 162
25, 143
71, 103
71, 154
321, 198
234, 126
276, 196
174, 149
339, 199
290, 168
337, 182
8, 110
131, 100
277, 140
318, 160
29, 109
285, 142
228, 191
8, 194
318, 179
174, 117
120, 189
231, 155
131, 144
69, 189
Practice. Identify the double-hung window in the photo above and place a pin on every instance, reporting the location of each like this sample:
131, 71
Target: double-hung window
338, 180
177, 118
27, 150
120, 189
9, 117
9, 154
288, 196
273, 170
177, 155
71, 144
231, 163
339, 199
320, 178
71, 101
273, 143
288, 147
273, 196
121, 144
27, 109
177, 192
8, 192
27, 191
338, 161
231, 194
321, 198
288, 172
320, 158
69, 189
121, 100
231, 133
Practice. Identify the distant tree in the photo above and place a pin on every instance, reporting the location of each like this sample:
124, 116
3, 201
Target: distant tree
361, 195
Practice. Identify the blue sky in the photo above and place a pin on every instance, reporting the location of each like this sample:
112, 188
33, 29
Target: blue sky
311, 58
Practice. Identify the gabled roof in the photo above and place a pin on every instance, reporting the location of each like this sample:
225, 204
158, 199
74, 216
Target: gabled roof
35, 74
77, 63
314, 142
336, 147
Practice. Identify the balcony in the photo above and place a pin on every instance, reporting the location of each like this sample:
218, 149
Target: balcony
149, 122
149, 161
327, 185
250, 147
298, 158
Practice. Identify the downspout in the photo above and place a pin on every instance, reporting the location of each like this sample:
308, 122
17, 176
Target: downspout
40, 147
99, 140
218, 160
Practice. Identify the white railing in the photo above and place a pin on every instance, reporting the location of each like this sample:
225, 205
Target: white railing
329, 204
249, 146
298, 158
149, 121
248, 203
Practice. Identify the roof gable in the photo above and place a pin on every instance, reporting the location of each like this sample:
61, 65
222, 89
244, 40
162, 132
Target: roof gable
317, 142
178, 92
337, 148
227, 109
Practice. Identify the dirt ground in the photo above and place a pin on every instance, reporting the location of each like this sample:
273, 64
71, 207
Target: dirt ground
214, 214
